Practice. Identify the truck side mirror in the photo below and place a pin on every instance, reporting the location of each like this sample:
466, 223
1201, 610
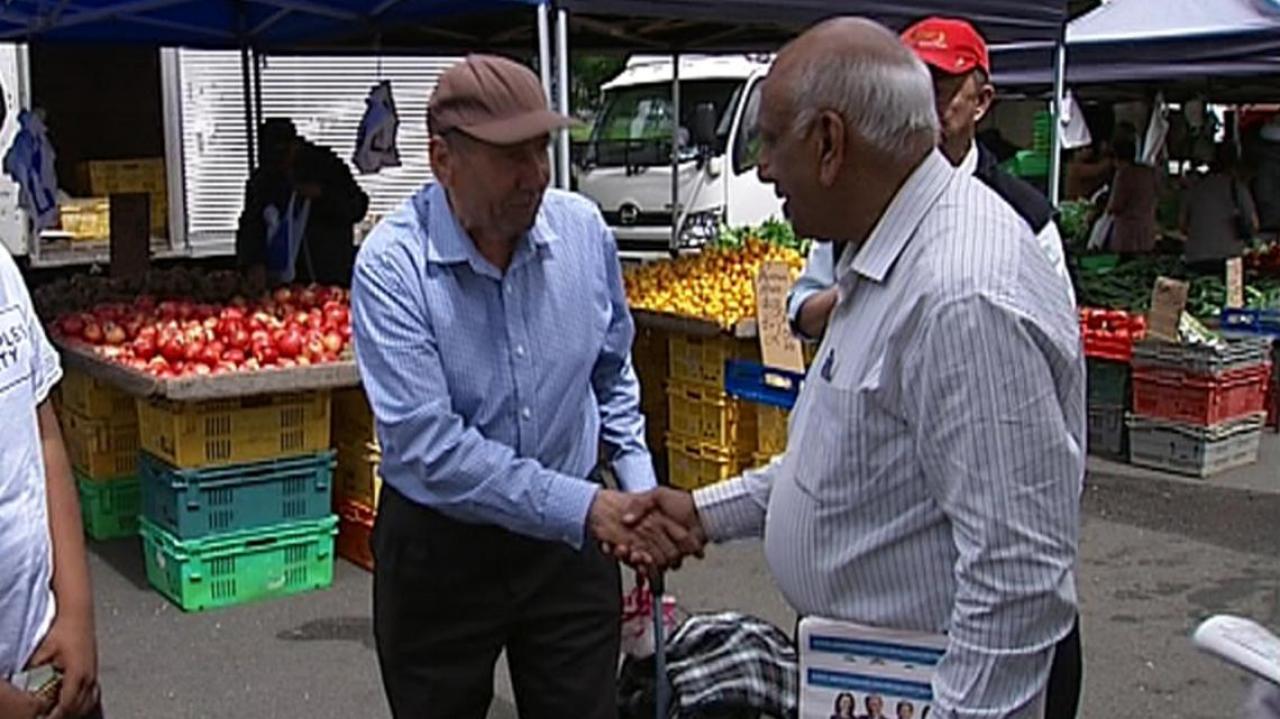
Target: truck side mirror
704, 125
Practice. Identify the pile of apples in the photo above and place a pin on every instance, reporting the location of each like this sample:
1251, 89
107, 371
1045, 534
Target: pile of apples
290, 327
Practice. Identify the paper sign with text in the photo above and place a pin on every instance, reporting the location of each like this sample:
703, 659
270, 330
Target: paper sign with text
1168, 300
1235, 282
778, 346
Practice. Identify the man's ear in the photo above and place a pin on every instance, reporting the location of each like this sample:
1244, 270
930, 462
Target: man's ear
441, 158
829, 133
986, 98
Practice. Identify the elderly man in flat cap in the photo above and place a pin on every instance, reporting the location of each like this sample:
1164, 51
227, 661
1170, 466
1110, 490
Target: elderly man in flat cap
493, 339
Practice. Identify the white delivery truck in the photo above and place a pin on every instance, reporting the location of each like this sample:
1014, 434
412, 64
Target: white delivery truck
627, 164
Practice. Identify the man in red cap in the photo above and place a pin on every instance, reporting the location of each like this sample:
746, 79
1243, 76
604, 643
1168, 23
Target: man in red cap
493, 340
959, 63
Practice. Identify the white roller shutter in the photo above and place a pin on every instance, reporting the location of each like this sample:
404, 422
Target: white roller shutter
324, 96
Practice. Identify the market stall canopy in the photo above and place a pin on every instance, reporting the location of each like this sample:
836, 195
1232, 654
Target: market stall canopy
726, 25
1223, 48
267, 24
459, 25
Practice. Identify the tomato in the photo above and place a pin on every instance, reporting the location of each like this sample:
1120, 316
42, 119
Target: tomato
282, 295
234, 355
308, 297
336, 317
239, 339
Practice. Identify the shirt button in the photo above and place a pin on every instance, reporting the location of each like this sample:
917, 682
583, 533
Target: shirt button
520, 351
526, 413
510, 289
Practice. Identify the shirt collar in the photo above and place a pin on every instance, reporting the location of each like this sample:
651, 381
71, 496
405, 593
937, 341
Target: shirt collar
893, 232
448, 243
969, 165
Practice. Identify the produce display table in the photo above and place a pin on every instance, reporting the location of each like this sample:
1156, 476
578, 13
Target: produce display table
744, 330
333, 375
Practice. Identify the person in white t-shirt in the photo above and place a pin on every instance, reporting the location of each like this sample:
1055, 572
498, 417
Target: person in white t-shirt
46, 609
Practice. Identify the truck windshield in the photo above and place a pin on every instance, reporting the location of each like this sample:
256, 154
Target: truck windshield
635, 127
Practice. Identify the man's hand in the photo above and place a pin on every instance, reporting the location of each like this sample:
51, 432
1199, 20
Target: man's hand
633, 529
17, 703
674, 517
70, 647
816, 311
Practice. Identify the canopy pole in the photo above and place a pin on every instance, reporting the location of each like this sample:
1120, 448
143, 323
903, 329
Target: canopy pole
544, 62
675, 153
562, 87
1059, 101
246, 83
258, 61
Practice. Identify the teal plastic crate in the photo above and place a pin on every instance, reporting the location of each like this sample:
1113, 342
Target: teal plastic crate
231, 569
109, 507
193, 503
1109, 383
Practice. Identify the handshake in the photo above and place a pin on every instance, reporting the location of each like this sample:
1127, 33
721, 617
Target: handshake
651, 532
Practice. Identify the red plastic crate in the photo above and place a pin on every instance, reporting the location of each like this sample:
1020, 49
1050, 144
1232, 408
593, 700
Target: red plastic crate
1108, 348
1199, 399
355, 526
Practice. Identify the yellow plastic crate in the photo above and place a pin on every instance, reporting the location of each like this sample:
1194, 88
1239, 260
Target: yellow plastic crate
106, 177
356, 476
101, 448
90, 397
692, 464
701, 359
352, 418
248, 429
86, 219
771, 429
712, 417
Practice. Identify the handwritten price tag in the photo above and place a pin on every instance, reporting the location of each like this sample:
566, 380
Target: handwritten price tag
778, 346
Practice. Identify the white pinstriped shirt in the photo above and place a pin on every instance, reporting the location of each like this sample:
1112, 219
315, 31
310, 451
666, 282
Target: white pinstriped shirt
936, 456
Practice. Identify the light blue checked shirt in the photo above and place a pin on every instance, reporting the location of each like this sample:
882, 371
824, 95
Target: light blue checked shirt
493, 392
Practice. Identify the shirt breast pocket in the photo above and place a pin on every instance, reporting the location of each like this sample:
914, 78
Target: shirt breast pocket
848, 442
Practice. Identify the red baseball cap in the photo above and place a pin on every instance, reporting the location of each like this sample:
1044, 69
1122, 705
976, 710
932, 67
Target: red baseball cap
952, 46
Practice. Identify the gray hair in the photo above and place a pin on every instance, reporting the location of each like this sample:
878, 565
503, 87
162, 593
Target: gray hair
887, 100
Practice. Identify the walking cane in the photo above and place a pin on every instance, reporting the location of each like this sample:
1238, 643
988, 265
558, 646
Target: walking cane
662, 691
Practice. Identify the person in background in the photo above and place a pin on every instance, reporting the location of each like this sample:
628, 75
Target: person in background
493, 339
906, 710
960, 66
46, 602
1135, 192
1089, 170
1211, 209
300, 210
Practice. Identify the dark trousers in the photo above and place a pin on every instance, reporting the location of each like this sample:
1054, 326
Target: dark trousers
448, 597
1062, 698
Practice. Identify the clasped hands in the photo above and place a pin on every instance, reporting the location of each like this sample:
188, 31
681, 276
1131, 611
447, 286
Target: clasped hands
651, 531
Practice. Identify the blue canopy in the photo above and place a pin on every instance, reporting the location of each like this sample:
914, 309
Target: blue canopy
268, 24
453, 25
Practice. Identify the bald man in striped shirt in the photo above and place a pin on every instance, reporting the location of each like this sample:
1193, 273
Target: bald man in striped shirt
933, 476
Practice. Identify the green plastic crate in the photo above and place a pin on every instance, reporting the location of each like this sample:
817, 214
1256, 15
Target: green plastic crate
109, 507
1109, 384
231, 569
193, 503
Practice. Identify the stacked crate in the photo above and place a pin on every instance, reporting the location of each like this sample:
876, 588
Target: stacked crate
772, 392
100, 428
711, 436
236, 497
1198, 409
649, 357
102, 178
358, 487
1109, 402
